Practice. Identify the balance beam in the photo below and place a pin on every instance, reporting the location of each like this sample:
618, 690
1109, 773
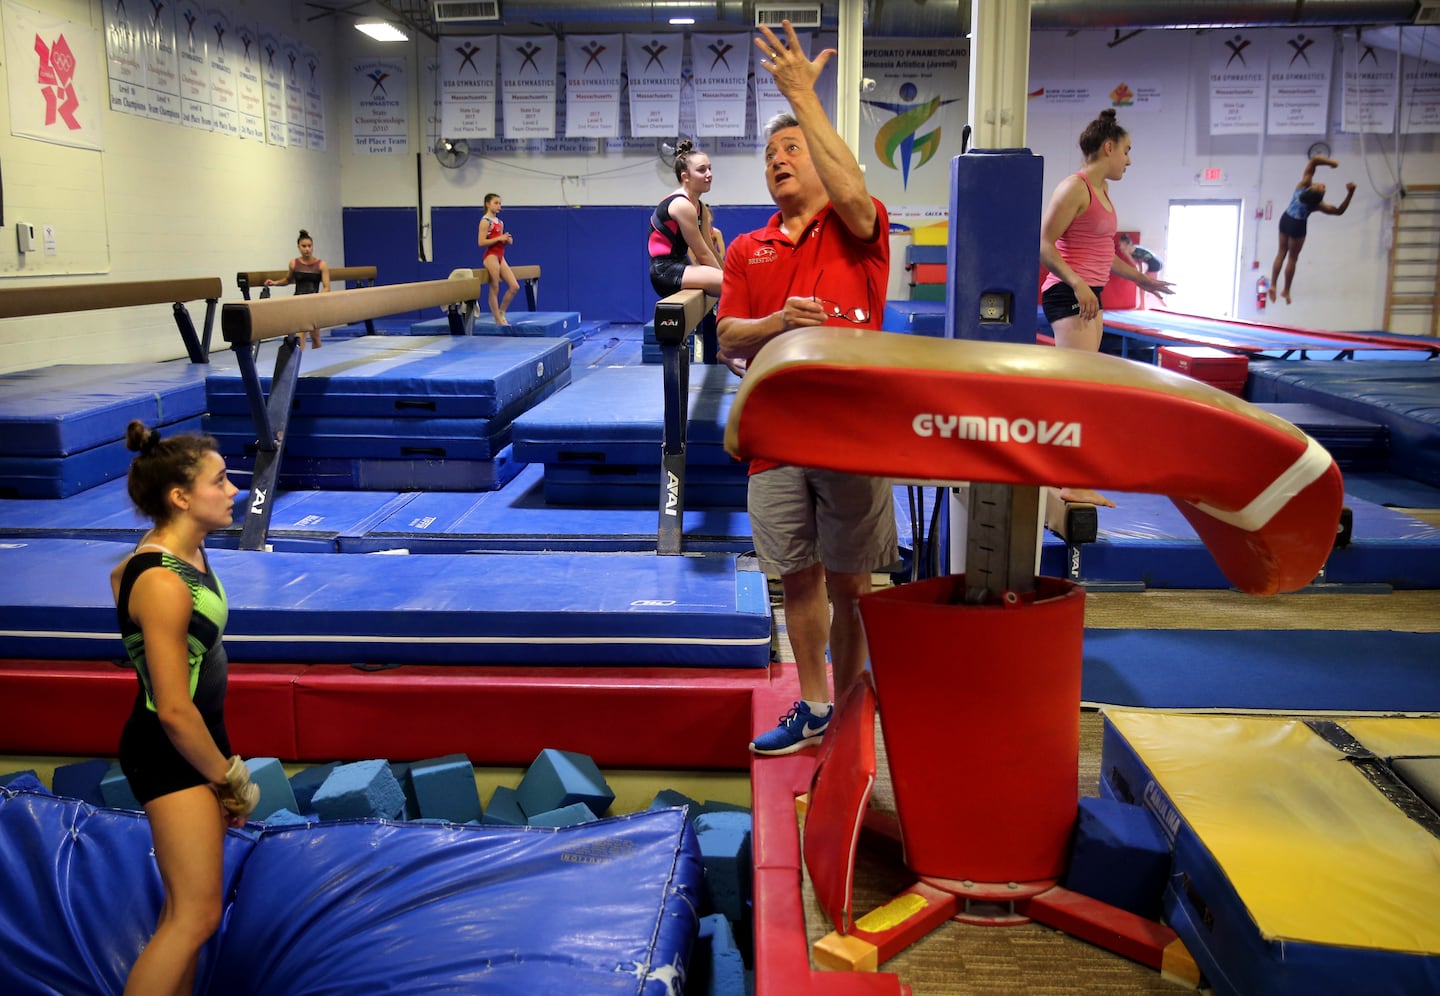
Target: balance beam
58, 299
246, 279
676, 317
246, 322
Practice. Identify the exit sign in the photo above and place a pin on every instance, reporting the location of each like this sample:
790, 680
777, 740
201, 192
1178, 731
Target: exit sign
1210, 176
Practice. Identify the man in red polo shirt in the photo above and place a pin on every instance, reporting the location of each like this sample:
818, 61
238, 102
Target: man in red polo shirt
823, 259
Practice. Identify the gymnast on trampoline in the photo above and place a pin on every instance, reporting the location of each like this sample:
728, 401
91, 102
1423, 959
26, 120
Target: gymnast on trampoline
174, 750
822, 259
1308, 198
685, 249
493, 239
1077, 246
309, 275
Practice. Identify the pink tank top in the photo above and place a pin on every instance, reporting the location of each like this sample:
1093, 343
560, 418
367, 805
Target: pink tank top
1088, 245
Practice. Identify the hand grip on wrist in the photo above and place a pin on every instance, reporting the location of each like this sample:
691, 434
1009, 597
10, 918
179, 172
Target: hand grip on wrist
237, 793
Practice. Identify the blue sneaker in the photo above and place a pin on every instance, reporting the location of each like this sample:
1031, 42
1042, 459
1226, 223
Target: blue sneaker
798, 728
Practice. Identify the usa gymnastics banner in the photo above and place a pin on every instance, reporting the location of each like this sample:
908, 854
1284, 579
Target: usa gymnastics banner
272, 79
314, 87
249, 90
467, 84
1299, 82
1420, 97
1371, 77
379, 107
1237, 84
224, 92
652, 64
592, 85
719, 65
290, 68
527, 85
194, 61
53, 71
125, 60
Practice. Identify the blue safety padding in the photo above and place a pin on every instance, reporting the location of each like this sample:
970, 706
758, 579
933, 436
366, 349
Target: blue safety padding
1403, 397
916, 317
1170, 329
400, 376
1146, 540
82, 894
1355, 443
998, 192
375, 438
924, 254
623, 405
434, 907
517, 518
63, 476
1392, 489
407, 474
580, 484
542, 324
556, 608
69, 408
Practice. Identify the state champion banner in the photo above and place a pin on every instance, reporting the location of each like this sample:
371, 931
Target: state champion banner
125, 59
719, 65
379, 106
224, 90
527, 85
653, 67
290, 67
249, 89
769, 101
314, 101
53, 71
1237, 85
1371, 88
592, 85
467, 84
1299, 82
1420, 99
194, 63
162, 66
272, 79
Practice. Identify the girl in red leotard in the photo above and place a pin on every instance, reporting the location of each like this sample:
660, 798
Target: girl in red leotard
494, 239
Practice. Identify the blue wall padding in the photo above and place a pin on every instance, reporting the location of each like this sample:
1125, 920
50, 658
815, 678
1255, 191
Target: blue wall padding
81, 780
717, 968
565, 816
359, 789
915, 317
1119, 856
558, 778
81, 895
444, 789
275, 792
725, 851
306, 782
115, 789
504, 809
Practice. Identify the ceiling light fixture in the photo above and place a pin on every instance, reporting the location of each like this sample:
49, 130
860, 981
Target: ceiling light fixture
382, 31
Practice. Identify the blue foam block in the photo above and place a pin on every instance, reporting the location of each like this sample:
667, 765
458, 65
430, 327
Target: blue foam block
401, 771
504, 809
275, 792
304, 784
725, 852
360, 789
566, 816
558, 778
115, 789
667, 798
285, 818
444, 789
717, 968
81, 780
1119, 857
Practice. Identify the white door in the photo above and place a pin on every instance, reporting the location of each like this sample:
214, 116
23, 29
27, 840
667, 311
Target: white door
1202, 257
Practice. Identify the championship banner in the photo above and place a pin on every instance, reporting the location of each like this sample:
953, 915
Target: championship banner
467, 83
224, 95
430, 99
1237, 86
162, 65
249, 90
653, 67
53, 72
592, 85
125, 61
1299, 82
194, 62
314, 87
769, 101
1369, 89
911, 122
272, 79
290, 68
719, 64
379, 102
1420, 97
527, 85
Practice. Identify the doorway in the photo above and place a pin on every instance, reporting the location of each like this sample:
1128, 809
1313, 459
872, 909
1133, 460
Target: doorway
1202, 257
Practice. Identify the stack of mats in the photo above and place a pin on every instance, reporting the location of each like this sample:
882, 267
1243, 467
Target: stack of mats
1357, 444
544, 324
1301, 862
1216, 367
600, 441
915, 317
63, 427
387, 413
927, 267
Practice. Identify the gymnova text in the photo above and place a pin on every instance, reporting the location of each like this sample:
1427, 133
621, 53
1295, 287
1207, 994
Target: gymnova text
997, 429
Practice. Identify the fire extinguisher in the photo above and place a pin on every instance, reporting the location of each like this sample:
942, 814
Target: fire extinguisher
1262, 293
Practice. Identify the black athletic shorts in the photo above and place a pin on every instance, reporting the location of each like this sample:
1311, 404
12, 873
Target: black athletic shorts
1059, 301
667, 274
152, 765
1293, 226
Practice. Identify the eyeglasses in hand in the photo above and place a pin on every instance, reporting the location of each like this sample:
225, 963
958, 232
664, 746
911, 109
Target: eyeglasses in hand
856, 316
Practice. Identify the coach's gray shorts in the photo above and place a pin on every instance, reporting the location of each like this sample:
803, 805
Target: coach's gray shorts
800, 517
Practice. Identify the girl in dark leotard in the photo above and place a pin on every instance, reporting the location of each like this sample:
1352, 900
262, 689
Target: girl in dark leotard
1308, 198
309, 274
174, 750
685, 249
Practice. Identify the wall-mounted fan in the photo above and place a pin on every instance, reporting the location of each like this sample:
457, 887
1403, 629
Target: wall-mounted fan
665, 149
452, 152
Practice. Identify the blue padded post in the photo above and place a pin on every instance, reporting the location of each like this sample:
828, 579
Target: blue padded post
995, 200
